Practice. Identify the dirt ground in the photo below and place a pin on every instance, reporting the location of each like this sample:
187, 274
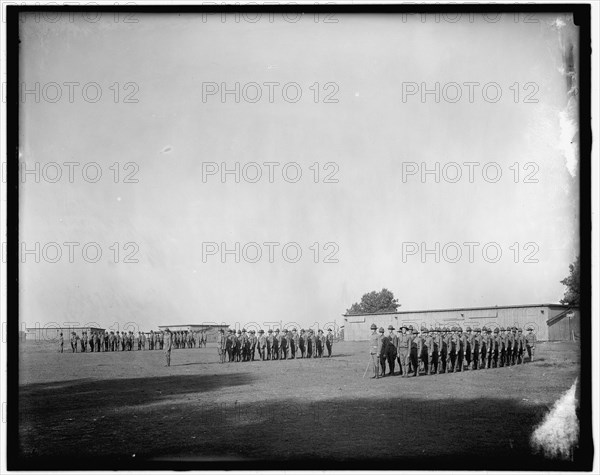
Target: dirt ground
117, 410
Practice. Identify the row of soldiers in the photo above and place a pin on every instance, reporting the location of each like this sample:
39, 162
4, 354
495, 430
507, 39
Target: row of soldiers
102, 341
448, 350
275, 345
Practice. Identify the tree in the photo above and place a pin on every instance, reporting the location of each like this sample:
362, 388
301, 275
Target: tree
375, 302
571, 282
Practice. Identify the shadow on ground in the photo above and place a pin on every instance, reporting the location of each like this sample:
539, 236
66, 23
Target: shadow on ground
113, 424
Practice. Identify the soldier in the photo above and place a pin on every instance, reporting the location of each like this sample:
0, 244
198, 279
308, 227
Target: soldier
230, 345
288, 337
73, 342
61, 343
415, 351
530, 340
294, 342
101, 337
309, 344
262, 345
319, 343
468, 347
302, 342
243, 337
460, 349
283, 344
453, 344
375, 346
388, 351
476, 342
433, 344
509, 340
270, 339
238, 346
168, 345
313, 338
275, 347
402, 347
424, 349
222, 348
496, 347
329, 342
520, 343
252, 340
90, 340
515, 346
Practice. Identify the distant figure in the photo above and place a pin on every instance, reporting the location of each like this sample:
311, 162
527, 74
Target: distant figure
302, 342
74, 342
222, 349
530, 340
61, 343
329, 342
167, 345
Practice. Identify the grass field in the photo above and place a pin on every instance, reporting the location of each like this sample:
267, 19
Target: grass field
110, 410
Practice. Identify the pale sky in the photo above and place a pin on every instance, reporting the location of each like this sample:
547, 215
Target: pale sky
369, 133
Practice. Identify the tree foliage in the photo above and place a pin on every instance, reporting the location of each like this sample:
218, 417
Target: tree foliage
571, 282
375, 302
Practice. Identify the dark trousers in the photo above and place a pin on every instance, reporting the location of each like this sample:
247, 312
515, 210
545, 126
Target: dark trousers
475, 357
293, 349
414, 361
329, 346
309, 350
443, 360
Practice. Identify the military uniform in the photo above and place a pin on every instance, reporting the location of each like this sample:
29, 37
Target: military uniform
329, 342
415, 349
375, 350
270, 340
468, 338
530, 340
275, 347
262, 345
388, 351
283, 345
319, 344
476, 344
294, 341
302, 342
168, 345
402, 346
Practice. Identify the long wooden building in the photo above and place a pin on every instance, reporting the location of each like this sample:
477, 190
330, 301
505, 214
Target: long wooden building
549, 321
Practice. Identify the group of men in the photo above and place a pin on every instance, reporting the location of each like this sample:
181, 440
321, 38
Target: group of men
101, 341
275, 345
447, 350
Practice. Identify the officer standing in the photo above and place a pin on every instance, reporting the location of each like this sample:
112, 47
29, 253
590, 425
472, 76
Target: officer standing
375, 350
468, 349
275, 347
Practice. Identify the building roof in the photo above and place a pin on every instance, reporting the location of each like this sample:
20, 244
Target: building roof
459, 309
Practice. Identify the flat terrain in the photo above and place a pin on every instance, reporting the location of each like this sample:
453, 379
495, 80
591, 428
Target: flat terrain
92, 410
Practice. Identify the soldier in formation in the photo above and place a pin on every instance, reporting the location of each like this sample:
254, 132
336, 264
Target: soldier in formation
448, 350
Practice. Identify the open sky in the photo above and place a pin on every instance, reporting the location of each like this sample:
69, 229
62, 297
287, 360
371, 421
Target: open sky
162, 113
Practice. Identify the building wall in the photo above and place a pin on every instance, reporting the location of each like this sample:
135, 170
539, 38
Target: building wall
565, 328
357, 328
